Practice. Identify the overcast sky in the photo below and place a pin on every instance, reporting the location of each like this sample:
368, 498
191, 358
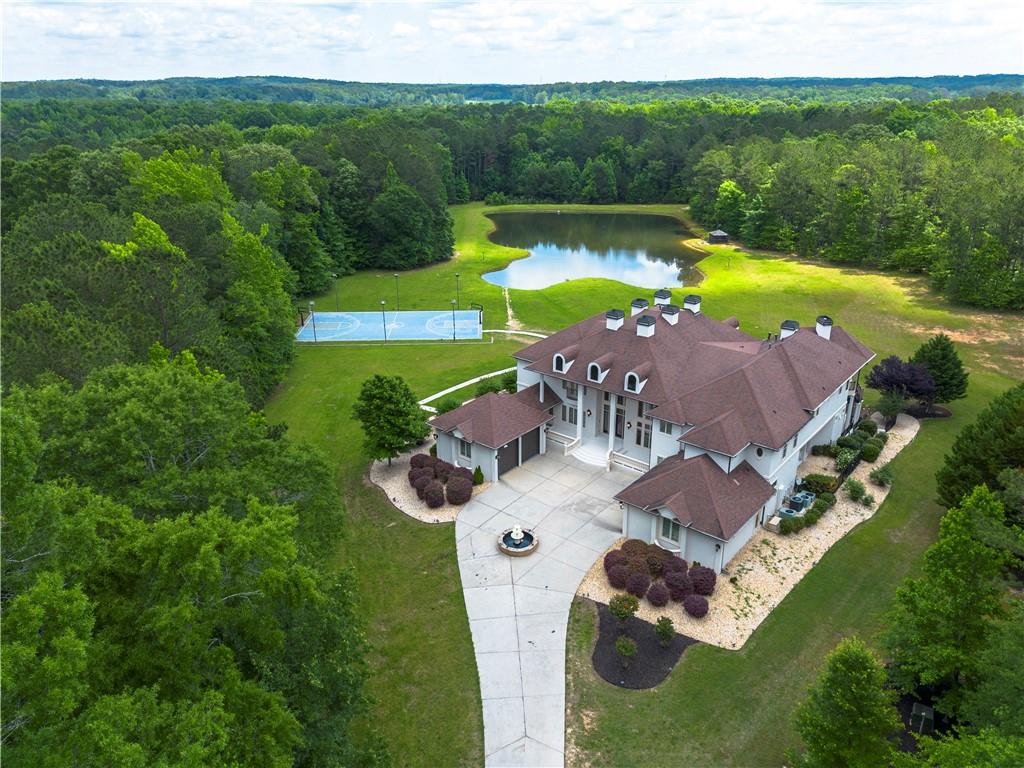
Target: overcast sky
510, 41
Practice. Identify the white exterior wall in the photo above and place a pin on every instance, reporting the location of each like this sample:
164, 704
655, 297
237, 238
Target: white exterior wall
694, 546
741, 537
483, 457
525, 378
664, 445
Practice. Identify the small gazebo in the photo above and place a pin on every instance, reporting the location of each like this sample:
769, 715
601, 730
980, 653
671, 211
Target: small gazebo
718, 237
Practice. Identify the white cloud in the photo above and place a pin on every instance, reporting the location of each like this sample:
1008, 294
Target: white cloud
503, 41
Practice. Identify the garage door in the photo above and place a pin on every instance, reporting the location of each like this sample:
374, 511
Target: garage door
531, 444
508, 457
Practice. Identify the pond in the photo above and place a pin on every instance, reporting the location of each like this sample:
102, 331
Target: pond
638, 249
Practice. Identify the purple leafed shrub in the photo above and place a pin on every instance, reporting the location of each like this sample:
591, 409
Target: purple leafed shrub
433, 494
679, 585
613, 558
637, 584
696, 606
634, 547
421, 483
418, 472
674, 563
617, 576
443, 469
458, 490
638, 564
465, 472
655, 563
703, 579
422, 460
657, 595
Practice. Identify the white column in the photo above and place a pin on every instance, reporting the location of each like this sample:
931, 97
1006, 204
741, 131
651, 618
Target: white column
579, 412
613, 410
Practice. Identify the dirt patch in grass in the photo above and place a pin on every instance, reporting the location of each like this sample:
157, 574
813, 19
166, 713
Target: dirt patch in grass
652, 663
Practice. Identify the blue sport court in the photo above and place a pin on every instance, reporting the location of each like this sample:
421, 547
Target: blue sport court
433, 325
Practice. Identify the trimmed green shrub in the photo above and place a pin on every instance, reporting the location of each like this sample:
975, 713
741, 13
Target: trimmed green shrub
658, 595
792, 525
867, 426
696, 606
509, 382
478, 476
823, 450
846, 459
870, 453
882, 476
447, 403
883, 436
828, 498
867, 500
854, 489
853, 441
487, 386
817, 483
626, 648
433, 450
458, 490
665, 631
622, 607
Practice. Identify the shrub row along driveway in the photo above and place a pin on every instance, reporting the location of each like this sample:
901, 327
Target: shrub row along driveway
519, 607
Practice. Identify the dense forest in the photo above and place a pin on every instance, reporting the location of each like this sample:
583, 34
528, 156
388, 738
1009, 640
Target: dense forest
166, 550
300, 89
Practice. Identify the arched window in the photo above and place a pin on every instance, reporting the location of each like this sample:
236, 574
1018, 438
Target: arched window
632, 382
558, 364
594, 372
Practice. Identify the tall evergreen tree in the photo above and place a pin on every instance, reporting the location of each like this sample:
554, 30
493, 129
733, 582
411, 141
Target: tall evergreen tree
939, 356
849, 716
391, 417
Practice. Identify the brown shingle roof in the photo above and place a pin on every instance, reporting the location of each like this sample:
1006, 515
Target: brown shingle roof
701, 369
498, 418
699, 494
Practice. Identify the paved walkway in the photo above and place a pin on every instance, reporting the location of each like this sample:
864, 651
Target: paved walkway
519, 607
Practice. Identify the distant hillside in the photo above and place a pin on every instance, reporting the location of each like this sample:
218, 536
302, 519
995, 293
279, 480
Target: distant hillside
295, 89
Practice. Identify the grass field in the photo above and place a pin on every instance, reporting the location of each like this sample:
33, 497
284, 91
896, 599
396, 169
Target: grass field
718, 707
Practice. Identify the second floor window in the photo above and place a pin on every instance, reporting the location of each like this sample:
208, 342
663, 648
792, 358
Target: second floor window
665, 427
572, 389
594, 372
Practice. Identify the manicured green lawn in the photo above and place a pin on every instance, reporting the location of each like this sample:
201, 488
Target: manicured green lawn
718, 707
424, 675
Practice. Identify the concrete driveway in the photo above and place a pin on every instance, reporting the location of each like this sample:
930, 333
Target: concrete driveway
519, 607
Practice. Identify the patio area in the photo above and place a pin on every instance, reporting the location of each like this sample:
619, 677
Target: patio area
518, 608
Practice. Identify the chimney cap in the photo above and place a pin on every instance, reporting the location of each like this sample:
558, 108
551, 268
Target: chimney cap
693, 298
824, 320
669, 309
790, 325
640, 303
663, 293
645, 320
615, 314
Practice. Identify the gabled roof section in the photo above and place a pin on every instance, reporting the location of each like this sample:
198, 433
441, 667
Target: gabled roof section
700, 495
498, 418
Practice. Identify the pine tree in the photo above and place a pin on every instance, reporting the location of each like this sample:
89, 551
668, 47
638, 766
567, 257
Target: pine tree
939, 356
848, 717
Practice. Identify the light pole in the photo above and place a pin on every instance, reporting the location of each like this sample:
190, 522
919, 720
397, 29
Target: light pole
337, 293
312, 319
383, 321
398, 304
458, 298
453, 319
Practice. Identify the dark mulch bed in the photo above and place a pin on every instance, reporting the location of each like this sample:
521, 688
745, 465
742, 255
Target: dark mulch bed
935, 412
651, 664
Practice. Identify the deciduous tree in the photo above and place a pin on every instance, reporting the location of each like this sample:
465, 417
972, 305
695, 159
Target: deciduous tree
391, 417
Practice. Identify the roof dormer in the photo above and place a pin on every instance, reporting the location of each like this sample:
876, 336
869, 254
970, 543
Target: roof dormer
637, 378
562, 360
599, 369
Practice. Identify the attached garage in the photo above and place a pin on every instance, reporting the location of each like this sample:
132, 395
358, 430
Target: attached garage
508, 457
496, 432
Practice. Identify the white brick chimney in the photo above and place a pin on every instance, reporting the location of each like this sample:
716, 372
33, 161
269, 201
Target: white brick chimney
670, 312
637, 306
613, 319
692, 303
645, 326
789, 327
823, 327
663, 296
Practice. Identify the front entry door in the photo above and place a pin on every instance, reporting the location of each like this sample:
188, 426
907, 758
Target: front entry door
620, 420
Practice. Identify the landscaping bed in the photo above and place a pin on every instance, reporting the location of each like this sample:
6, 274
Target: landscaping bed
652, 662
